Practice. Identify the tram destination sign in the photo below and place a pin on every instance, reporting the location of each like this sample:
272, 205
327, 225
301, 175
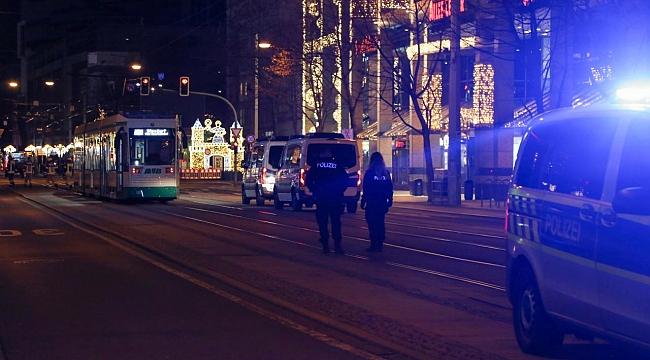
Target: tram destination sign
150, 132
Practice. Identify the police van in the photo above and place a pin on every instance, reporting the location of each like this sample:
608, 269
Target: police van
260, 167
578, 228
300, 152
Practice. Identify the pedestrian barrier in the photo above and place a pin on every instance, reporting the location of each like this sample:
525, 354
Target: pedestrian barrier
201, 174
439, 191
494, 191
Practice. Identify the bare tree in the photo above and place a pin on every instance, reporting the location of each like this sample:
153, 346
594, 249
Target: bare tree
329, 67
411, 54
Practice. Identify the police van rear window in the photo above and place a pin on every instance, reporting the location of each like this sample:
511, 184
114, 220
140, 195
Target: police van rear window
275, 154
344, 154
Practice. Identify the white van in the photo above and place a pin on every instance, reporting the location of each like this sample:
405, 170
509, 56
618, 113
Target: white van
303, 150
578, 228
261, 167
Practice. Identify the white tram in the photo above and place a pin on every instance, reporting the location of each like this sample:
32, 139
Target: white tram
128, 158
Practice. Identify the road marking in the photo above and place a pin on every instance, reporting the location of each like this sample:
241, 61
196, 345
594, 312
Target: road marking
44, 232
48, 232
40, 261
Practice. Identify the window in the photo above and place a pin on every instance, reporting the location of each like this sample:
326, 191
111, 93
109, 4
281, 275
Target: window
344, 154
257, 156
567, 157
152, 148
275, 153
634, 170
292, 156
536, 145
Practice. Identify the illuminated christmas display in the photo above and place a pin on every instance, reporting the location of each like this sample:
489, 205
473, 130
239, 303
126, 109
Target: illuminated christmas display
432, 100
209, 149
483, 99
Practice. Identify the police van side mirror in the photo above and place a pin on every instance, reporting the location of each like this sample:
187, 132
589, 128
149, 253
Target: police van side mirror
634, 201
244, 164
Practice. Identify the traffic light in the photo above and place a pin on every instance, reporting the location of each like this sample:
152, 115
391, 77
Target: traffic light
185, 86
145, 86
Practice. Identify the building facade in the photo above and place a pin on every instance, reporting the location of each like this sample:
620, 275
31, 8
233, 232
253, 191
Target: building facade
383, 68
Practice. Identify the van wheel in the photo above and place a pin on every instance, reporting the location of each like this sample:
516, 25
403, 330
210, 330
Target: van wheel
296, 205
352, 207
535, 332
276, 202
259, 200
244, 199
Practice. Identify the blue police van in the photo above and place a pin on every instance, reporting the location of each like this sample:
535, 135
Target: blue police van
578, 228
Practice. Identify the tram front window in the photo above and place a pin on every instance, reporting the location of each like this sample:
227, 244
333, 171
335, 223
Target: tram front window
152, 147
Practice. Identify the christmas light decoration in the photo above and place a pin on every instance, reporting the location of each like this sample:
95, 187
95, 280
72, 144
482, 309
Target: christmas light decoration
432, 100
483, 99
201, 150
435, 47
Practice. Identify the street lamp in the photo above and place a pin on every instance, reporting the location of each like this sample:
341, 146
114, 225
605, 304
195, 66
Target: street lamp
262, 45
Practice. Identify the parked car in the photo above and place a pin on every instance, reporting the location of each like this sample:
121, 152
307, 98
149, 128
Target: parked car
578, 226
261, 167
299, 153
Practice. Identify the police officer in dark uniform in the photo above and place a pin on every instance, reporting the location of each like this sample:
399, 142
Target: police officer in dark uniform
328, 180
11, 169
376, 199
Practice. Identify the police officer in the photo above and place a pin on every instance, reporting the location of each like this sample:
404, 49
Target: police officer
29, 170
328, 180
11, 169
51, 171
376, 199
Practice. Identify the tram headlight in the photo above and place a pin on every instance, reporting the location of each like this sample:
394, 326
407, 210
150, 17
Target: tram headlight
169, 170
136, 170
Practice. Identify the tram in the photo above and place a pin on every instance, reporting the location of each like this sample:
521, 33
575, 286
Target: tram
128, 157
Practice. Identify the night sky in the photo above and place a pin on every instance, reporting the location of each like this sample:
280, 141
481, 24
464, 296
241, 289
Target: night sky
9, 17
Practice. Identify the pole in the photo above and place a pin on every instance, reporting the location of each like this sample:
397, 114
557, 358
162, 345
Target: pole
256, 115
234, 180
453, 180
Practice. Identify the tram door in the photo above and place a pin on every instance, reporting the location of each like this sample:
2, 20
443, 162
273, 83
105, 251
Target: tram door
103, 166
120, 161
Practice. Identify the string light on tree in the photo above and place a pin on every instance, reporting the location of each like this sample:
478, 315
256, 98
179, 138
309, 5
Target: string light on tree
483, 99
432, 100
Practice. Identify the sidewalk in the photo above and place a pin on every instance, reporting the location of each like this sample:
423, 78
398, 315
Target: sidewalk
403, 198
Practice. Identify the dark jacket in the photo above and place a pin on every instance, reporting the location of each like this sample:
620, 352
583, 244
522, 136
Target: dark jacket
377, 189
326, 179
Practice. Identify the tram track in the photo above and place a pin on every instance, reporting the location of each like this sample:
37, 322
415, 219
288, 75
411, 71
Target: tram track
266, 286
487, 237
405, 248
401, 247
410, 267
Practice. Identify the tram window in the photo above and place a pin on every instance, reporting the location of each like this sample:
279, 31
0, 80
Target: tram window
152, 151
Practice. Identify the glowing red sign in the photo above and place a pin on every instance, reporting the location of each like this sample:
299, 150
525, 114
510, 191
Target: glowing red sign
442, 9
366, 45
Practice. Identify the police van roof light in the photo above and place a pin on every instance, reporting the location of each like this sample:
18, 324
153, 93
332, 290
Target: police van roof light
637, 94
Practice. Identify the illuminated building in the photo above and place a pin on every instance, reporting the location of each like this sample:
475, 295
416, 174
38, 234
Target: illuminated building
511, 68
